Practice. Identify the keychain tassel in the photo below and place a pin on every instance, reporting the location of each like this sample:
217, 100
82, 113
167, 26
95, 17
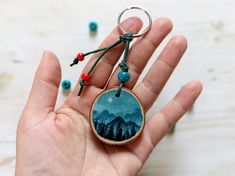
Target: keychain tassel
126, 38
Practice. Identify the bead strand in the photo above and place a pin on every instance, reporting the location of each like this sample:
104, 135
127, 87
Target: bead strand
123, 76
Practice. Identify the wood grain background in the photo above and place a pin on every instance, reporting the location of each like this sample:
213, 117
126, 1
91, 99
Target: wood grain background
204, 140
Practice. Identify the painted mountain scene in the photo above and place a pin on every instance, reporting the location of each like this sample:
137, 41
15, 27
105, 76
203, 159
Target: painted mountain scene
117, 118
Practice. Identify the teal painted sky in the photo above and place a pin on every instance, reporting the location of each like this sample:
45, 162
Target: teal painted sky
126, 103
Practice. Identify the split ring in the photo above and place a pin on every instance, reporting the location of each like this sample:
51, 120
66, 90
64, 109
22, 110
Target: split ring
139, 34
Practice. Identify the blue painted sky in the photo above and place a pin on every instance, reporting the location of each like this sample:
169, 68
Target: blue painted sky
126, 103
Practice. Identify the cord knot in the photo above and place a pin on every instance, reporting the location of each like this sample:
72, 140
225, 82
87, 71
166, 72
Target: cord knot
123, 66
82, 82
127, 37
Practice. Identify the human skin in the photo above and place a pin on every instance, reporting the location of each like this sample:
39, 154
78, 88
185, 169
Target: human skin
60, 142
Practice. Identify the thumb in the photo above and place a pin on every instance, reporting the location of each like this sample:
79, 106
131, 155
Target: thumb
45, 86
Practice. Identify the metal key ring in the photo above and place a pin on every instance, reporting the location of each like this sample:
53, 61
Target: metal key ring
145, 30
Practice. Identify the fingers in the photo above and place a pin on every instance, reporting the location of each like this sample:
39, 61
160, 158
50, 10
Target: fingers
160, 123
142, 50
152, 84
157, 126
104, 68
45, 86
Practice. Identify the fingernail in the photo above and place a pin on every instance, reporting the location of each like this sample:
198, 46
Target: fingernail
132, 24
44, 54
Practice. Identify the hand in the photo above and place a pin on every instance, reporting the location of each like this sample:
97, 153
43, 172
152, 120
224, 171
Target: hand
61, 143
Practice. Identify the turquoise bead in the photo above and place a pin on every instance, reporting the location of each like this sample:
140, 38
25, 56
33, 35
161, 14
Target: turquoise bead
93, 26
66, 84
124, 76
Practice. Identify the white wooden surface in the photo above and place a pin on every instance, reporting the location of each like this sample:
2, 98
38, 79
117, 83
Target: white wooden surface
204, 141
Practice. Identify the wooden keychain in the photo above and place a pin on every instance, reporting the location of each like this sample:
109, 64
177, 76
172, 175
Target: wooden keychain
116, 116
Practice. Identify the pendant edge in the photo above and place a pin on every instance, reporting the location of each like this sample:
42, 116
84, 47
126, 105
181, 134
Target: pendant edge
117, 143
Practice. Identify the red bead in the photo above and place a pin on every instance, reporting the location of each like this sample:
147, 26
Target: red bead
86, 77
80, 56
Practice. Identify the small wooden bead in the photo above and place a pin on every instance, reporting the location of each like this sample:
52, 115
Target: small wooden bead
124, 76
66, 84
86, 77
80, 56
93, 26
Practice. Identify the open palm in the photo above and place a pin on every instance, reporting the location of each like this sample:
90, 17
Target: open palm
61, 142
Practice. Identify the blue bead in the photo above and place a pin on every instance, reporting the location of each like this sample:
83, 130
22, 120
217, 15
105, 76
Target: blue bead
66, 84
124, 76
93, 26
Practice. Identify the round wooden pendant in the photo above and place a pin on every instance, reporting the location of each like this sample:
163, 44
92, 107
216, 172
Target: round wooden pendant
117, 120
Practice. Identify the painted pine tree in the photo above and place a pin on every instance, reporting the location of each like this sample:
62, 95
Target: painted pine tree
119, 131
133, 131
109, 132
126, 135
100, 129
95, 124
